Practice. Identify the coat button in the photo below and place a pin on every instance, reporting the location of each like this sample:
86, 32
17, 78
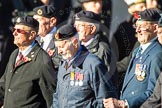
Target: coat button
9, 90
132, 93
10, 71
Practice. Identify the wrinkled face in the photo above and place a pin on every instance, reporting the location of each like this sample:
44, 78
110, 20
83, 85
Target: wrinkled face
159, 34
44, 25
145, 31
22, 35
65, 48
84, 30
94, 6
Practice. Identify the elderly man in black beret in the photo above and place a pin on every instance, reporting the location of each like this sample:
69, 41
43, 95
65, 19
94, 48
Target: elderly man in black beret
29, 79
154, 101
145, 65
87, 25
46, 15
83, 80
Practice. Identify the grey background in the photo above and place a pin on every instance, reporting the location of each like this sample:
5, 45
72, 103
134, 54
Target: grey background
120, 12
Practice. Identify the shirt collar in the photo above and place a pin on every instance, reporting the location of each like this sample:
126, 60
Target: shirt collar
144, 47
49, 35
28, 49
88, 43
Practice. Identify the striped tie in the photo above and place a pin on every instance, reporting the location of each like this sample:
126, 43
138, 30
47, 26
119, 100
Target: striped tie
41, 43
138, 54
20, 58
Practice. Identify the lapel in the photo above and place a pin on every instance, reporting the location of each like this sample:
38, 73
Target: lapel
129, 74
77, 61
13, 59
30, 57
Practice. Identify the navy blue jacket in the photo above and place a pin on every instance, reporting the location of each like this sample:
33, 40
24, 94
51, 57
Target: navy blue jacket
136, 89
96, 84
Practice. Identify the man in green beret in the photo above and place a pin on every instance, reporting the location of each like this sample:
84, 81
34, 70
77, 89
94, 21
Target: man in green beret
154, 101
46, 15
29, 79
83, 80
145, 64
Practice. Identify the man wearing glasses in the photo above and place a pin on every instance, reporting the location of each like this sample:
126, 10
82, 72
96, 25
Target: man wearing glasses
87, 24
29, 79
154, 101
145, 65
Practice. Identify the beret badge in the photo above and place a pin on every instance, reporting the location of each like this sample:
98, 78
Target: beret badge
136, 16
76, 17
39, 12
57, 35
18, 20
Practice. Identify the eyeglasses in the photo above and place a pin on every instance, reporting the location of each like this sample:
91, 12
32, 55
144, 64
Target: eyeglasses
20, 31
142, 27
82, 25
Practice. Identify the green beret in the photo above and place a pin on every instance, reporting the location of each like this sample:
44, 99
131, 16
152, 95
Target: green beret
148, 15
28, 21
87, 16
47, 11
65, 32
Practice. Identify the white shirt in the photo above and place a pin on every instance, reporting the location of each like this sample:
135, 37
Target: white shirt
48, 38
26, 51
144, 47
88, 43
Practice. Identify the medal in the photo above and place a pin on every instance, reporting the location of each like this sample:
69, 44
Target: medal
140, 72
72, 76
76, 83
80, 83
76, 78
72, 83
81, 76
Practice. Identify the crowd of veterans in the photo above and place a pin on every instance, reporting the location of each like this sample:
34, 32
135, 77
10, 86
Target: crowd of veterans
63, 56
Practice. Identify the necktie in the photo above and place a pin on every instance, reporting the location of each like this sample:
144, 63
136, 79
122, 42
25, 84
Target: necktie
138, 52
20, 58
41, 43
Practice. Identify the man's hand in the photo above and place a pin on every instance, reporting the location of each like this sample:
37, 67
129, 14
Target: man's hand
113, 103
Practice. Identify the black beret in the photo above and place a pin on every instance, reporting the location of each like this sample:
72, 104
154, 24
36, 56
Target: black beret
47, 11
87, 16
65, 32
160, 21
28, 21
148, 15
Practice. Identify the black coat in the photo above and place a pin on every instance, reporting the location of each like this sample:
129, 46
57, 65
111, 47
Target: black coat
30, 84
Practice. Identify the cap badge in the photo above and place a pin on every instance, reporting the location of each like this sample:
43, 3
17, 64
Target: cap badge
39, 12
18, 20
76, 17
136, 16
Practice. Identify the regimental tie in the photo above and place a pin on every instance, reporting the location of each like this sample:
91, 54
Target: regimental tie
138, 54
41, 43
20, 58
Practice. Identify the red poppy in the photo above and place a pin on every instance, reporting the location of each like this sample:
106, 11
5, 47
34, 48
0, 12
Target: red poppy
136, 15
50, 52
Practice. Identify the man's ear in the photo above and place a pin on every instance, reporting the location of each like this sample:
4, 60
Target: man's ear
74, 41
32, 35
53, 21
155, 26
93, 29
